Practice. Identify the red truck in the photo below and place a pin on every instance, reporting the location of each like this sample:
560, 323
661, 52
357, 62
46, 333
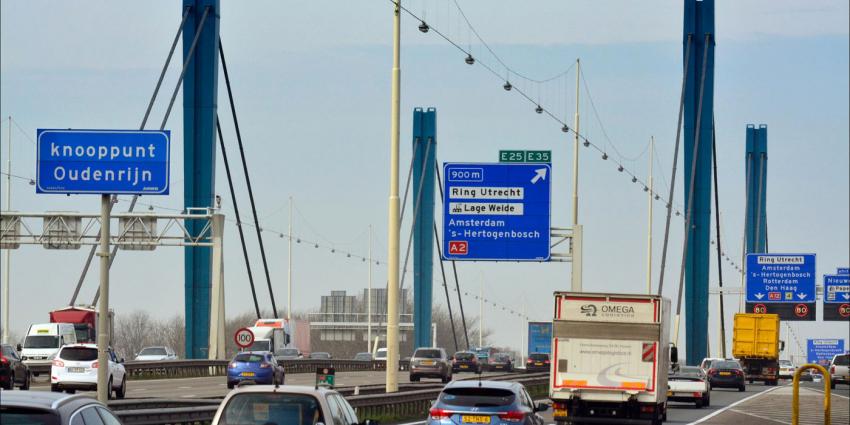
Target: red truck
84, 320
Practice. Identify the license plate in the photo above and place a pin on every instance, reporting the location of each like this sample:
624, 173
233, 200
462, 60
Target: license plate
475, 419
463, 366
669, 393
428, 363
247, 374
76, 369
538, 364
725, 373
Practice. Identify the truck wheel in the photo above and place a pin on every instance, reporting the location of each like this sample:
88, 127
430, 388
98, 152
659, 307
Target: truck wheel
699, 403
230, 385
742, 388
55, 388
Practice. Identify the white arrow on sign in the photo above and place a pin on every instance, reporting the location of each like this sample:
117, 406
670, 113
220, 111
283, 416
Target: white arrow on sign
759, 295
540, 173
846, 296
801, 295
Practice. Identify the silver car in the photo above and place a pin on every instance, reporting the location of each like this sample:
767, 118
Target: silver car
430, 363
46, 408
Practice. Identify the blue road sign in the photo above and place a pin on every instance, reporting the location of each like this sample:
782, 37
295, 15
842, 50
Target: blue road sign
836, 288
103, 161
539, 337
496, 211
843, 270
821, 351
781, 278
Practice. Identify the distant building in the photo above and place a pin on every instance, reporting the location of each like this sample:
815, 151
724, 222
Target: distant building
341, 326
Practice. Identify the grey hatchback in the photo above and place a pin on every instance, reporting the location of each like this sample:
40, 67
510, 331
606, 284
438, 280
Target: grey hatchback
49, 408
485, 403
430, 363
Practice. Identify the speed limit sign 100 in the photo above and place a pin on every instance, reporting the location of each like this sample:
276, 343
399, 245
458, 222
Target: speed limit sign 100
244, 337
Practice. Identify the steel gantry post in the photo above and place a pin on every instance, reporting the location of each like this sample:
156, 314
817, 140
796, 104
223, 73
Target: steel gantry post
756, 157
698, 113
200, 89
424, 154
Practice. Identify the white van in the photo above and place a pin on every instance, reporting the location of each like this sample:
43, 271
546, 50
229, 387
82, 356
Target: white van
44, 340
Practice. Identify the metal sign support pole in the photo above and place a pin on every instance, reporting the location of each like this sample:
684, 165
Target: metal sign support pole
103, 389
217, 341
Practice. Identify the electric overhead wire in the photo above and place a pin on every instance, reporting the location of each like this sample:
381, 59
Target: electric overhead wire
541, 109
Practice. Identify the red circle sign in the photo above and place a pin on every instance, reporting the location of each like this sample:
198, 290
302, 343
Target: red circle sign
244, 337
844, 310
801, 310
760, 309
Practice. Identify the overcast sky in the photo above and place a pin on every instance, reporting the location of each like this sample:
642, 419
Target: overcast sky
312, 81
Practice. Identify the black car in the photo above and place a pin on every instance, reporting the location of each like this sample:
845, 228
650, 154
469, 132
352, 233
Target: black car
726, 374
502, 361
465, 361
12, 370
537, 362
48, 408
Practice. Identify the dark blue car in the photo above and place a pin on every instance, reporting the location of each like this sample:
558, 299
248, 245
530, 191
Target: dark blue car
254, 367
485, 402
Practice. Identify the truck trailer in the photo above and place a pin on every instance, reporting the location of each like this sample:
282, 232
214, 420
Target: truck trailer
610, 354
85, 320
756, 345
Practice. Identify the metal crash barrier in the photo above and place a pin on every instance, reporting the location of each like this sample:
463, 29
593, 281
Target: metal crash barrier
795, 402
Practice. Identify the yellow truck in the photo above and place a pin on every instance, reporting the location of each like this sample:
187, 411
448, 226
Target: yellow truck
756, 345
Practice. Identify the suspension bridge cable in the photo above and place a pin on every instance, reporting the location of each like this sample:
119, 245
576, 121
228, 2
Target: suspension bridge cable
689, 216
719, 250
445, 287
236, 212
247, 178
165, 67
454, 266
675, 162
416, 206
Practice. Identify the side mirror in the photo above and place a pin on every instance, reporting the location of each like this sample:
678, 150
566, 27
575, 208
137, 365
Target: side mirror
19, 348
121, 360
541, 407
674, 355
781, 345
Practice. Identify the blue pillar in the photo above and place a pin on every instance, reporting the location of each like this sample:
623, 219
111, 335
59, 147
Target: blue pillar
424, 154
200, 88
756, 169
699, 23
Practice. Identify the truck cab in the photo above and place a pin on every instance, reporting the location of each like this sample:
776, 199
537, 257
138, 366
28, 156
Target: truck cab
43, 341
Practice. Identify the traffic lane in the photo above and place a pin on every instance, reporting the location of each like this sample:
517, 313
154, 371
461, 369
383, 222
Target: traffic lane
216, 386
685, 413
840, 389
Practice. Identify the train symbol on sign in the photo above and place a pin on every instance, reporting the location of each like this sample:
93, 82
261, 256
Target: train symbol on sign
244, 337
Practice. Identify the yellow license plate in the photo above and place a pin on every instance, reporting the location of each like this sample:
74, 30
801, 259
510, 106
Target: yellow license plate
428, 362
247, 373
725, 373
475, 419
538, 364
463, 366
669, 393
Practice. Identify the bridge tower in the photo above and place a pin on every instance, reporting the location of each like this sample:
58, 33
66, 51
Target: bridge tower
755, 222
699, 37
200, 90
424, 169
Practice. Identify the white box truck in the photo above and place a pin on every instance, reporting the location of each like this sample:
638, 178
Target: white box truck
610, 358
43, 341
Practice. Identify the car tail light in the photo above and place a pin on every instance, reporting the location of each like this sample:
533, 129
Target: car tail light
94, 365
4, 360
647, 408
265, 365
712, 372
58, 363
546, 361
741, 372
512, 416
832, 369
529, 361
697, 395
438, 414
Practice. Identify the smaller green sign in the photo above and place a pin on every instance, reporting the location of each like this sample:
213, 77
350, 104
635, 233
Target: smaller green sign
525, 156
325, 376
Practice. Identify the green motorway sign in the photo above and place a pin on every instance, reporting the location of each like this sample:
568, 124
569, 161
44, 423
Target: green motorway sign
525, 156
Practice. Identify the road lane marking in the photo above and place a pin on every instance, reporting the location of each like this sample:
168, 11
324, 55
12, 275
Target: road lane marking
717, 412
831, 393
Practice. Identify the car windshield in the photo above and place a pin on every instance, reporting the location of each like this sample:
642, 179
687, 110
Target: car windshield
785, 363
80, 354
502, 357
13, 415
464, 355
41, 341
271, 409
381, 353
477, 397
842, 360
153, 351
320, 356
538, 357
362, 356
288, 352
688, 372
249, 358
259, 346
427, 354
726, 365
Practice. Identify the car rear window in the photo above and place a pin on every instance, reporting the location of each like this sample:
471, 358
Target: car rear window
726, 365
80, 354
153, 352
276, 408
538, 356
41, 341
842, 360
249, 358
464, 356
13, 415
477, 397
427, 354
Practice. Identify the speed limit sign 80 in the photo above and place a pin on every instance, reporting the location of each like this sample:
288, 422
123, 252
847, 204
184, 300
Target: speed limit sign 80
244, 337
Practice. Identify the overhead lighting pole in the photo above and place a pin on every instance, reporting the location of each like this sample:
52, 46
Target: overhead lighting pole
575, 285
7, 260
289, 273
394, 219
